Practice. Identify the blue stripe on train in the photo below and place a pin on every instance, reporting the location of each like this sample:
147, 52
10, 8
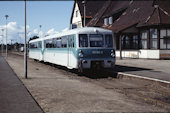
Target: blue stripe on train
96, 53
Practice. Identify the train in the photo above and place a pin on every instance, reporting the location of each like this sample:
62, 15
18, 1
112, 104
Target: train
81, 48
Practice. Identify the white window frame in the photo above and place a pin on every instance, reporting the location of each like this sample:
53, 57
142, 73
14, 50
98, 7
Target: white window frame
110, 20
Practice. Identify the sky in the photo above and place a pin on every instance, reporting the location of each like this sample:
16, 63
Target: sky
53, 16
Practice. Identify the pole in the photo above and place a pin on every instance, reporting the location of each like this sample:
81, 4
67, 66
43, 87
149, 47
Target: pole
84, 3
40, 31
2, 41
25, 45
1, 47
84, 14
6, 37
120, 46
11, 45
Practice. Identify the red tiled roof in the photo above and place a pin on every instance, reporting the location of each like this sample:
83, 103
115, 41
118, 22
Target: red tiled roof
143, 13
158, 17
98, 15
108, 9
92, 6
137, 12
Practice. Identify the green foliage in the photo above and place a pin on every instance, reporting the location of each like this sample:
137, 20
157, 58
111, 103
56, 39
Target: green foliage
34, 37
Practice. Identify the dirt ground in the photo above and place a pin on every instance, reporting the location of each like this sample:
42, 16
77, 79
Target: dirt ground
58, 90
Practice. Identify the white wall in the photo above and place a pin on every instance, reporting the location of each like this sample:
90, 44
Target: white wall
151, 54
148, 54
78, 19
128, 54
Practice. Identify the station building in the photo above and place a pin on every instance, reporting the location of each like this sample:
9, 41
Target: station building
141, 28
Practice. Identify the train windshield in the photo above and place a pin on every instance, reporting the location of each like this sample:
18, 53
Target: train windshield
96, 40
83, 40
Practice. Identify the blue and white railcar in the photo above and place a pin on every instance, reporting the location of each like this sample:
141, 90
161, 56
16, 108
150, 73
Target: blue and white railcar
82, 48
36, 48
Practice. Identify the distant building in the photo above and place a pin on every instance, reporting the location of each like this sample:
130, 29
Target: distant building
141, 28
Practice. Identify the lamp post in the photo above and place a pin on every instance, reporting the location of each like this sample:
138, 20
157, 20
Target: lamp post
25, 44
11, 44
2, 46
6, 16
40, 31
84, 4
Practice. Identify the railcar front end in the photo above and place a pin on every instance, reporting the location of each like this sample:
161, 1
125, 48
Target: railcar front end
96, 51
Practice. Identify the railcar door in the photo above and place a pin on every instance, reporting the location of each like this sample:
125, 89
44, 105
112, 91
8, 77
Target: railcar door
70, 51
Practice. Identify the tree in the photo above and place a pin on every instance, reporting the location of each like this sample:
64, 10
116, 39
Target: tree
34, 37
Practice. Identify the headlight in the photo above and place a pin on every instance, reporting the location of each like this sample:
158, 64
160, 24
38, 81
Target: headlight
113, 53
81, 53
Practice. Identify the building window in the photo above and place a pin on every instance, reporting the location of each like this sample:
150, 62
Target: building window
110, 20
135, 42
168, 38
165, 39
74, 26
153, 38
125, 42
144, 39
77, 13
130, 42
106, 21
162, 39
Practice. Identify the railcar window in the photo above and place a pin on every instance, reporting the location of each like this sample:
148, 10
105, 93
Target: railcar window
39, 44
54, 42
71, 41
31, 45
35, 45
96, 40
58, 42
83, 40
49, 43
108, 40
64, 42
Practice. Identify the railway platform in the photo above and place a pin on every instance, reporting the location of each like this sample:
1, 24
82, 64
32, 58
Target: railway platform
14, 97
157, 70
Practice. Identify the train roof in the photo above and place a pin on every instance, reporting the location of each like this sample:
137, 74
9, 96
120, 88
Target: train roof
84, 30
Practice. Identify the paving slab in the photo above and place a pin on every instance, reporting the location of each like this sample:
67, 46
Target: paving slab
14, 97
